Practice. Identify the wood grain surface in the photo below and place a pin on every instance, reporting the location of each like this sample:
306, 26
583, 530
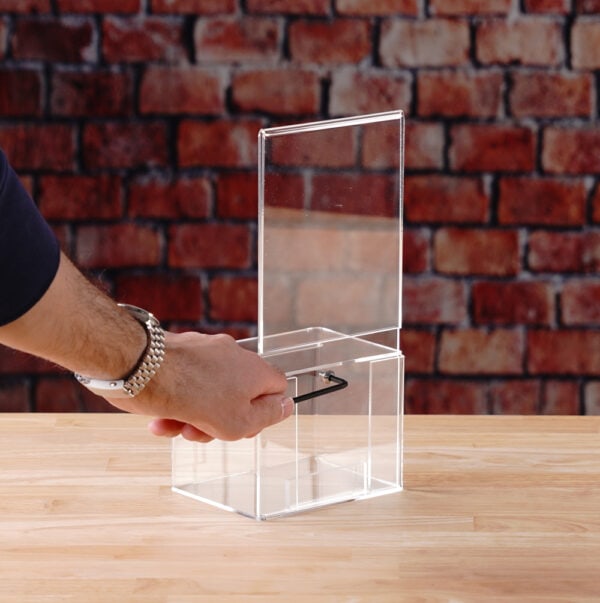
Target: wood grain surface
494, 509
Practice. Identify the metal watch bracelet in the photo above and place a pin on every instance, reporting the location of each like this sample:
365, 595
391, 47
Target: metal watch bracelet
146, 368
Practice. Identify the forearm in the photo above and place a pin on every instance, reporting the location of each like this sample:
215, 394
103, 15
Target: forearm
207, 386
78, 327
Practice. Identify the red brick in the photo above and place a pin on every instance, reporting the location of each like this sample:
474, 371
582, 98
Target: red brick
380, 145
20, 93
542, 201
237, 195
68, 40
353, 301
295, 7
135, 39
551, 95
419, 350
99, 6
80, 197
39, 146
323, 42
560, 398
525, 41
481, 352
469, 7
530, 302
185, 197
492, 147
592, 398
561, 7
19, 363
434, 300
354, 193
440, 396
14, 397
125, 145
218, 143
233, 299
355, 92
175, 90
587, 6
58, 395
416, 253
3, 37
25, 6
102, 94
596, 205
466, 251
571, 150
564, 251
378, 7
580, 302
332, 148
585, 43
515, 397
117, 246
430, 43
285, 190
193, 7
167, 296
424, 145
209, 246
563, 352
438, 199
283, 92
459, 93
223, 39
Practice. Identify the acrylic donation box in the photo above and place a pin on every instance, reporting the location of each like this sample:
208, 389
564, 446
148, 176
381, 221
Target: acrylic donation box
329, 316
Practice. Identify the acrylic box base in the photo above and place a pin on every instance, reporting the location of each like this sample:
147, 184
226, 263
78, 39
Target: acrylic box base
341, 446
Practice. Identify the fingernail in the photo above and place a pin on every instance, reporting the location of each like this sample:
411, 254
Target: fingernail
287, 406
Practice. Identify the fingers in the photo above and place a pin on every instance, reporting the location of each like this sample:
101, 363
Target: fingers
171, 428
270, 409
264, 411
278, 379
193, 434
287, 408
263, 377
165, 427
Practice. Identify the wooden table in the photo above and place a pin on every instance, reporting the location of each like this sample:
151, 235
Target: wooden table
495, 509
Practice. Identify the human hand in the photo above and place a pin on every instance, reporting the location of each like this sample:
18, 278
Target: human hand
210, 387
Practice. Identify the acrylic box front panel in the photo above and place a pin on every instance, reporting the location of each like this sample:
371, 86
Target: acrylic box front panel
342, 446
330, 233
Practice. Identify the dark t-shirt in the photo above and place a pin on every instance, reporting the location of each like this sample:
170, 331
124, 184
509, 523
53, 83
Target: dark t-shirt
29, 251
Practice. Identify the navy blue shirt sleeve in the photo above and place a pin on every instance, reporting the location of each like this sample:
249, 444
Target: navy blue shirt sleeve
29, 251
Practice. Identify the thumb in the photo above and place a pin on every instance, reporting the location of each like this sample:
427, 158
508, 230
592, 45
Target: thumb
270, 409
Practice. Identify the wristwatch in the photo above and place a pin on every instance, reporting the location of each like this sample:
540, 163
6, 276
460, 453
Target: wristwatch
146, 368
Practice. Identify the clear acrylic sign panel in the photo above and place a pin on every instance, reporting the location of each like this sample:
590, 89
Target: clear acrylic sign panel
329, 251
329, 218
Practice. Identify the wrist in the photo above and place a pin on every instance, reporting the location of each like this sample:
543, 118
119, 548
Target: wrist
145, 368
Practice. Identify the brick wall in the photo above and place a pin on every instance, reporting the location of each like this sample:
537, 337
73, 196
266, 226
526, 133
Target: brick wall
133, 123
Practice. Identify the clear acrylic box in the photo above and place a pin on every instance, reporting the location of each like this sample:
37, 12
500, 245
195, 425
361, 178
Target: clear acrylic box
329, 316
